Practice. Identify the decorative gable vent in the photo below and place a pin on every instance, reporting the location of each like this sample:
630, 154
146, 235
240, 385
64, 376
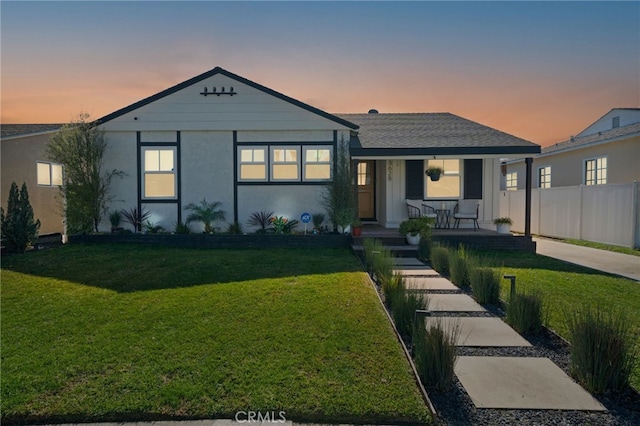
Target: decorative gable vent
214, 91
615, 122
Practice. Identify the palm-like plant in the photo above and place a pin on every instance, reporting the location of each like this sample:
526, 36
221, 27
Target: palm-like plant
205, 212
135, 218
261, 219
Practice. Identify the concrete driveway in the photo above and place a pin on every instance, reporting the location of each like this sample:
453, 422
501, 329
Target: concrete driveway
624, 265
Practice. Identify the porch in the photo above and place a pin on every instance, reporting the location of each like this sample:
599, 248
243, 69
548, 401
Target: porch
481, 239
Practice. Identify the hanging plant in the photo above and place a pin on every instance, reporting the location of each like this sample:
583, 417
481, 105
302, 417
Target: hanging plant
434, 173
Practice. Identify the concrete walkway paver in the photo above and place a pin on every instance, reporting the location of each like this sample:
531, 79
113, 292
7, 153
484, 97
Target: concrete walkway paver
481, 331
453, 303
429, 283
408, 261
521, 383
423, 271
625, 265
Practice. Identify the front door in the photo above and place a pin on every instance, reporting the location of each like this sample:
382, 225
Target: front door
366, 190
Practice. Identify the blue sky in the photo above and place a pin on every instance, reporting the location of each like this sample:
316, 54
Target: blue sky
539, 70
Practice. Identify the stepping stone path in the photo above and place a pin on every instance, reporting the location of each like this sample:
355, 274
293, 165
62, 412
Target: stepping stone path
493, 381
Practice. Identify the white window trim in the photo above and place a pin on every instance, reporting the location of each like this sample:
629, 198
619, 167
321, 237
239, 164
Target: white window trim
584, 170
159, 172
273, 163
306, 148
50, 166
459, 174
540, 180
266, 152
506, 182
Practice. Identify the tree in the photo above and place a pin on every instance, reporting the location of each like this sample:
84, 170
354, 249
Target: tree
339, 197
80, 147
19, 230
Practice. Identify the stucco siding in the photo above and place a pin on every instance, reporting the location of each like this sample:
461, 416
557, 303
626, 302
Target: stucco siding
121, 155
567, 168
289, 201
19, 162
207, 170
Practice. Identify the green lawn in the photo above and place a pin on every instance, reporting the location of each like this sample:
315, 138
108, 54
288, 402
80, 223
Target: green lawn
567, 286
113, 333
601, 246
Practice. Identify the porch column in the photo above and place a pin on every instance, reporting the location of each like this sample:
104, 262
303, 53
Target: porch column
527, 198
354, 174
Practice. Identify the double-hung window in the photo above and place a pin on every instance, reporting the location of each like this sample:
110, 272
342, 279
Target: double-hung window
159, 173
317, 163
544, 177
296, 163
253, 163
285, 163
595, 171
448, 186
49, 174
512, 181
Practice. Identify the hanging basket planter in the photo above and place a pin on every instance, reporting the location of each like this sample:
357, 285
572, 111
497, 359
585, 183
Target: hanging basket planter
434, 173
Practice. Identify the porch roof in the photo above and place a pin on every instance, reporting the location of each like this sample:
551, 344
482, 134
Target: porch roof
417, 134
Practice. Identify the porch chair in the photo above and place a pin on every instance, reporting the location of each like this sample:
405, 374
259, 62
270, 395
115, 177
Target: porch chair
413, 211
466, 209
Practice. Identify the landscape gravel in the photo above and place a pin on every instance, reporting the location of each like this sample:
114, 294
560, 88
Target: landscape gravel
455, 407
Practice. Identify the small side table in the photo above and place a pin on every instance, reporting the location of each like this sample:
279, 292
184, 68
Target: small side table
442, 219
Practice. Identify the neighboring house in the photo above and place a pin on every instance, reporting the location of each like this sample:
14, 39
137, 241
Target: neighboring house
586, 183
22, 148
222, 137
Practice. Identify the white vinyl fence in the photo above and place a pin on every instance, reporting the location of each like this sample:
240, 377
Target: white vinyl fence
600, 213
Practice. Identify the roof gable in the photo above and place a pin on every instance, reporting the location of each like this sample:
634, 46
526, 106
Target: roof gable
625, 117
215, 72
612, 135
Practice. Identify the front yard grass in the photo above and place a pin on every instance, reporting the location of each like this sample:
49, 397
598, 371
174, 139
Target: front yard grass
566, 287
119, 332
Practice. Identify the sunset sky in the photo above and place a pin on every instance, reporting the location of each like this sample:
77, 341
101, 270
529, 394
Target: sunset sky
539, 70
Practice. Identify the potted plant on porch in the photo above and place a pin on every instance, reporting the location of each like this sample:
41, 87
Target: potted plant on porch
434, 172
414, 228
356, 227
503, 225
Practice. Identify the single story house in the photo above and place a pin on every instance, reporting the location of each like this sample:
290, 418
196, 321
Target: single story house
225, 138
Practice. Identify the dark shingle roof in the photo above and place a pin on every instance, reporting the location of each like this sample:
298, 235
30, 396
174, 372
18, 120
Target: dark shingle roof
431, 134
600, 137
9, 130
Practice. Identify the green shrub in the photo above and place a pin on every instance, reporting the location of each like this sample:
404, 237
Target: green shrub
524, 312
379, 263
403, 307
440, 260
602, 353
435, 353
485, 285
235, 228
19, 230
182, 228
424, 248
261, 219
460, 263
